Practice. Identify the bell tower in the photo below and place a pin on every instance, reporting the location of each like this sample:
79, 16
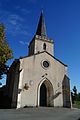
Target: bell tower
41, 42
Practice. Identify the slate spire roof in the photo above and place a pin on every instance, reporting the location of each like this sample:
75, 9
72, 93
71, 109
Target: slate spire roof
41, 29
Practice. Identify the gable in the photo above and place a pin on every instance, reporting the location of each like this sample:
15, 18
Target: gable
45, 52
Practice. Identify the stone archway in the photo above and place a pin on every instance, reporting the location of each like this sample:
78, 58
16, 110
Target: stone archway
45, 93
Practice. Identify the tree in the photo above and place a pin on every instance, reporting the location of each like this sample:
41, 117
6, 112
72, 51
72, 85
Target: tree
78, 97
5, 51
74, 94
75, 90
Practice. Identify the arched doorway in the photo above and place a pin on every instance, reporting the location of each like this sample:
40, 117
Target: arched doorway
45, 94
66, 92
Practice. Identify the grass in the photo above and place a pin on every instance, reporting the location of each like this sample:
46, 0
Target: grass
76, 104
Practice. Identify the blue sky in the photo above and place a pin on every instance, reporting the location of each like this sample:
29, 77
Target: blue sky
62, 18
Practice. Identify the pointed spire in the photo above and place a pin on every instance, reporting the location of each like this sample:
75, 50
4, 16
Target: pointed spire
41, 29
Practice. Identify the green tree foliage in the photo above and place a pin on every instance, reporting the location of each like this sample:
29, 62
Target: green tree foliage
75, 95
5, 51
78, 97
75, 90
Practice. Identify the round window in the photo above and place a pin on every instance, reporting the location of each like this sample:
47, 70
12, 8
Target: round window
45, 64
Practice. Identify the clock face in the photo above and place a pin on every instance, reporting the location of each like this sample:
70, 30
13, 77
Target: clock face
45, 64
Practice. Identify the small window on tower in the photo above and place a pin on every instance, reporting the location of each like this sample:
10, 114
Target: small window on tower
44, 46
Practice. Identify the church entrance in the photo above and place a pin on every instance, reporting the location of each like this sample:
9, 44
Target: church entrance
43, 95
46, 94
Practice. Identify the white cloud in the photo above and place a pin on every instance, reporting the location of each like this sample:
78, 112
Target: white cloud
23, 43
15, 20
14, 23
25, 32
23, 10
16, 17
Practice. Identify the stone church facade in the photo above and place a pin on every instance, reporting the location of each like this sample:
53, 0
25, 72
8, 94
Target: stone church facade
38, 79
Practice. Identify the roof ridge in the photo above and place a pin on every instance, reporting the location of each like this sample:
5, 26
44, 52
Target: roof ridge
47, 53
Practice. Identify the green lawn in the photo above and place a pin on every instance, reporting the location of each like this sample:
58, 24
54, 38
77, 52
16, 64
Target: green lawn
76, 104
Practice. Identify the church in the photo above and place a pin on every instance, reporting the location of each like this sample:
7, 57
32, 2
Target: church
39, 79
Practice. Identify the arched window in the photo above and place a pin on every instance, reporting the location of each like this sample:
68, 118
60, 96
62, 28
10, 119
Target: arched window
44, 46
